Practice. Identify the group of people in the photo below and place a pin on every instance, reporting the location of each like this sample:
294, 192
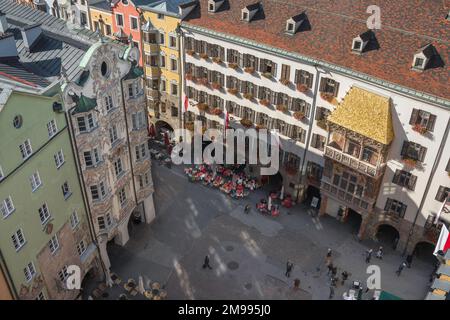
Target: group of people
332, 273
369, 253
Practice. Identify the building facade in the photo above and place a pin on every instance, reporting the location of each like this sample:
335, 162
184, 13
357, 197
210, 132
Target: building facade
107, 111
366, 143
100, 17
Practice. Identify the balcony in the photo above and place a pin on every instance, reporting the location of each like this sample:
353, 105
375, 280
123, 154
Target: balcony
151, 47
353, 162
351, 199
152, 72
152, 94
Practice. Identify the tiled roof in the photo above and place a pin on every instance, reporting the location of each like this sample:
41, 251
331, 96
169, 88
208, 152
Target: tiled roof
163, 6
103, 5
407, 25
365, 113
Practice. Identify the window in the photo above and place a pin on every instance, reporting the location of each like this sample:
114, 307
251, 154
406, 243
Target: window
329, 86
267, 66
144, 180
134, 23
130, 90
163, 85
66, 190
322, 114
395, 207
29, 271
86, 123
285, 72
113, 134
98, 192
140, 151
314, 171
63, 274
74, 220
7, 207
81, 247
119, 20
290, 27
35, 181
411, 150
162, 61
172, 41
59, 158
353, 148
357, 45
173, 64
53, 244
25, 149
423, 119
405, 179
18, 239
161, 38
108, 29
41, 296
51, 128
233, 56
17, 121
83, 18
160, 16
419, 63
44, 213
101, 223
96, 26
318, 141
122, 196
108, 103
303, 77
118, 169
442, 194
138, 120
245, 16
174, 89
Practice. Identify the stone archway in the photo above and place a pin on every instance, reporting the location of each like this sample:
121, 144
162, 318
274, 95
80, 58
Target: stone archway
387, 235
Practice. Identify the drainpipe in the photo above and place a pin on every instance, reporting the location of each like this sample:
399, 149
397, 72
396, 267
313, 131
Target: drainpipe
181, 58
427, 188
8, 278
82, 182
311, 122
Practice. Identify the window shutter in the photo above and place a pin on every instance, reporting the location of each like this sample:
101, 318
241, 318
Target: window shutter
323, 83
307, 109
388, 205
422, 153
404, 148
414, 115
336, 88
228, 82
221, 79
396, 176
313, 140
209, 75
262, 62
310, 80
318, 113
274, 69
229, 54
412, 182
297, 76
303, 135
431, 122
260, 92
402, 211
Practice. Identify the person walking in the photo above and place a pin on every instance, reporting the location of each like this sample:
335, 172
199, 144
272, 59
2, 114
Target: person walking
247, 209
331, 292
368, 255
409, 259
380, 253
329, 253
344, 276
206, 263
330, 269
289, 266
334, 271
400, 268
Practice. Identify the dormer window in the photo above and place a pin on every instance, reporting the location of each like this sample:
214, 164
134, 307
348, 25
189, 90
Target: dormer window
211, 7
357, 45
249, 12
290, 27
294, 23
245, 16
419, 63
214, 5
360, 43
423, 56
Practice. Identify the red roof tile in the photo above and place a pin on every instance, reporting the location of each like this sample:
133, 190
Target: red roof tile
407, 25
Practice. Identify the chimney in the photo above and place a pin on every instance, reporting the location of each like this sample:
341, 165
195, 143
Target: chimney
3, 23
30, 34
7, 46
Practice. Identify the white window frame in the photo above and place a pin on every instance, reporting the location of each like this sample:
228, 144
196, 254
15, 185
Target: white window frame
117, 22
44, 213
118, 167
172, 59
53, 244
171, 91
81, 248
36, 181
66, 190
109, 104
25, 147
137, 23
171, 35
63, 274
59, 159
52, 128
29, 271
16, 236
113, 135
122, 194
7, 207
74, 219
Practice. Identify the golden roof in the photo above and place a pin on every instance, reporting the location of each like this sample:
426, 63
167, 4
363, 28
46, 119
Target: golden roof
365, 113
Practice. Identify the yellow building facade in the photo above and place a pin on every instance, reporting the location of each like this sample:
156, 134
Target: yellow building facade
101, 19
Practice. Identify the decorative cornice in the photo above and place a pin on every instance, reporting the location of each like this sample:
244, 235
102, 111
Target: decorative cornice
317, 62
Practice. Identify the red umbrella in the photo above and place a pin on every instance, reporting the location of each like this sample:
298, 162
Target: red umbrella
151, 131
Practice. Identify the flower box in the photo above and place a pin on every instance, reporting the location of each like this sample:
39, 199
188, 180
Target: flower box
264, 102
233, 91
249, 70
285, 81
420, 129
299, 115
282, 107
216, 111
217, 60
267, 75
248, 96
327, 96
260, 127
203, 81
246, 123
204, 56
189, 76
190, 52
412, 163
203, 107
233, 65
216, 85
302, 87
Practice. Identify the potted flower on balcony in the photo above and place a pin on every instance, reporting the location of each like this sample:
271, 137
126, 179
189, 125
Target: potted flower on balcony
204, 56
233, 65
216, 111
190, 52
267, 75
409, 162
246, 123
298, 115
203, 107
203, 81
189, 76
217, 59
216, 85
249, 70
233, 91
327, 96
282, 107
264, 102
285, 81
302, 87
420, 129
260, 127
248, 96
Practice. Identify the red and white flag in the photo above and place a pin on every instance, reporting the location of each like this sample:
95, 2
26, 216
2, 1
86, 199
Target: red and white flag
227, 119
443, 242
185, 103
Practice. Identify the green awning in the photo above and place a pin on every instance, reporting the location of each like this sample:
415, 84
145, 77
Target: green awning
388, 296
84, 104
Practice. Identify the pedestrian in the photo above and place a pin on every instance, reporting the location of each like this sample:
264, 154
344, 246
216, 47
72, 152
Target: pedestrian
333, 281
400, 268
368, 255
380, 253
334, 271
331, 292
409, 260
247, 209
329, 253
206, 263
344, 276
289, 266
330, 269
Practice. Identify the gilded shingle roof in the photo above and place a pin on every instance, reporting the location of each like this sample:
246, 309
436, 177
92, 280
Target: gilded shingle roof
365, 113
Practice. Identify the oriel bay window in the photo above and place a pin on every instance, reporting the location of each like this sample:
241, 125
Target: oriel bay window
349, 183
353, 148
370, 155
149, 37
314, 171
